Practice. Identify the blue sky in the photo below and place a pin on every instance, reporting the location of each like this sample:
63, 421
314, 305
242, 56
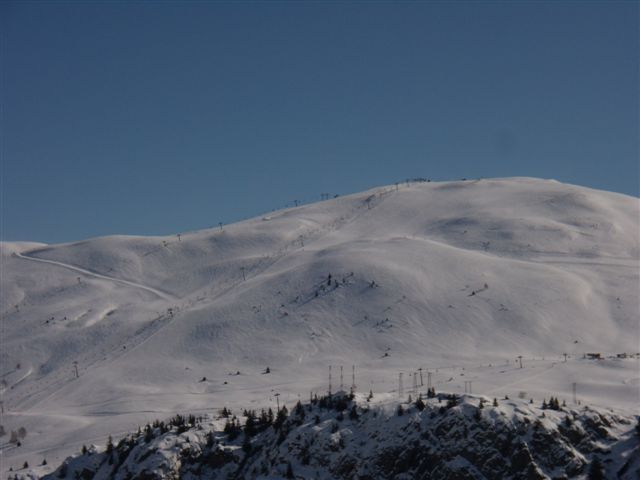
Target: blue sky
161, 117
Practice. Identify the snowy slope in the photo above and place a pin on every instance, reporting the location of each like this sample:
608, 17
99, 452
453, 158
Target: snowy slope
463, 275
444, 437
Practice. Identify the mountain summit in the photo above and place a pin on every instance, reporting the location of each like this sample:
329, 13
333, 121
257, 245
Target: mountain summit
418, 275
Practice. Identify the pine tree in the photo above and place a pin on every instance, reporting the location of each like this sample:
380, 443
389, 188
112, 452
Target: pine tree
210, 440
263, 421
26, 465
280, 418
477, 415
148, 434
353, 414
250, 425
109, 444
495, 402
246, 443
289, 473
419, 403
595, 470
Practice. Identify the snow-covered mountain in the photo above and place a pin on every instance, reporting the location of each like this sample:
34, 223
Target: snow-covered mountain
444, 437
457, 279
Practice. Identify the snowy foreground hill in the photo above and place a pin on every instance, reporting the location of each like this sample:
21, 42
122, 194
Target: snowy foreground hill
448, 284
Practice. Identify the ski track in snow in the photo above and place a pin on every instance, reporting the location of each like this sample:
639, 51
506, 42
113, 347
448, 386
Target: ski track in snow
156, 292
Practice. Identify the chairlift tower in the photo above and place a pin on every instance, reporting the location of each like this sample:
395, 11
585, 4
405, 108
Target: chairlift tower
353, 378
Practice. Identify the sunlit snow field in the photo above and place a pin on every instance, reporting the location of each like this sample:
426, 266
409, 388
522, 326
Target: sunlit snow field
444, 282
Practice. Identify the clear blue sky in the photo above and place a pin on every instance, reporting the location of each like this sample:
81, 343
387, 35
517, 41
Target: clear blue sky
161, 117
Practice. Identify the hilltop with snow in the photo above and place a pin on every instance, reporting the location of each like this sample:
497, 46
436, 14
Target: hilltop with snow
451, 280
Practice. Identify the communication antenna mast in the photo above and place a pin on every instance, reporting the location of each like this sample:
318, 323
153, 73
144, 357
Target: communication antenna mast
353, 378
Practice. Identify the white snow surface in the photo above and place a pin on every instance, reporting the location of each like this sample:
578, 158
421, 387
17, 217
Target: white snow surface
455, 278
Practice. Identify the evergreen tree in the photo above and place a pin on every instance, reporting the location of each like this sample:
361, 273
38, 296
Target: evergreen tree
109, 444
289, 473
26, 465
353, 414
232, 428
263, 421
250, 425
280, 418
246, 443
210, 440
596, 471
148, 434
495, 402
419, 403
477, 415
